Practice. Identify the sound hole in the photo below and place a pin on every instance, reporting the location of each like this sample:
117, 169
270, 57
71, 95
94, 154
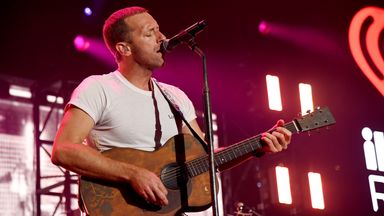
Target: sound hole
173, 176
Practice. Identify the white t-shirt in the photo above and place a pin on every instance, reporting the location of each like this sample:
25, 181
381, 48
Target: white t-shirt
125, 116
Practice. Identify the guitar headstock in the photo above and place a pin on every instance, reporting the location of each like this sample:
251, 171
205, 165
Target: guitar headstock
320, 117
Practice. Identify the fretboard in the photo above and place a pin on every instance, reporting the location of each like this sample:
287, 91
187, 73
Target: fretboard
235, 151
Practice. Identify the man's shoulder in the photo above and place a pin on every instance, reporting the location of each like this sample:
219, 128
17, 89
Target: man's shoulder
168, 86
174, 92
99, 79
171, 88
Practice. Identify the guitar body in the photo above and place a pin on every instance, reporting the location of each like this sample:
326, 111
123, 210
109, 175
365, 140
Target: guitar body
104, 198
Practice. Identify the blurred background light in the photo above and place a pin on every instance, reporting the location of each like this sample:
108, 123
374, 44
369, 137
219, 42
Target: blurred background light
88, 11
80, 43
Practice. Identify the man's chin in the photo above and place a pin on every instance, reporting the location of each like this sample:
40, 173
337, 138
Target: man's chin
157, 66
161, 64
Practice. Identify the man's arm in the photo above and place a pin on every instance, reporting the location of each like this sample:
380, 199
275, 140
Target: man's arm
69, 152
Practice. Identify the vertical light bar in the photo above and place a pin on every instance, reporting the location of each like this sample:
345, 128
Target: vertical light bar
274, 96
378, 137
316, 189
283, 185
306, 101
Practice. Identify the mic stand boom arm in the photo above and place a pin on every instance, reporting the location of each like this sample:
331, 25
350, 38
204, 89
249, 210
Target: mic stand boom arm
208, 126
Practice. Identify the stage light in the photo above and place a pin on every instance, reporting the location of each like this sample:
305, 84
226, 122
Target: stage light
54, 99
81, 43
316, 190
94, 47
19, 91
306, 37
29, 143
283, 185
264, 28
214, 117
306, 100
88, 11
274, 96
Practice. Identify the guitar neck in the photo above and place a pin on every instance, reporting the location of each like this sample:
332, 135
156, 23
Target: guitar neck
236, 151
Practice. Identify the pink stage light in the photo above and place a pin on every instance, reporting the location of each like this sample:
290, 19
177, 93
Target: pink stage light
283, 185
306, 99
94, 47
81, 43
316, 190
264, 27
303, 36
274, 95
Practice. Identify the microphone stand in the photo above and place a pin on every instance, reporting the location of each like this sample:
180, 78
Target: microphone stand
208, 123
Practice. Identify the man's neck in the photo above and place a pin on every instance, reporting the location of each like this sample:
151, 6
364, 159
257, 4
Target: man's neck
138, 76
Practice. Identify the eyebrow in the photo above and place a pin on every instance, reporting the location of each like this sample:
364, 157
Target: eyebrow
151, 28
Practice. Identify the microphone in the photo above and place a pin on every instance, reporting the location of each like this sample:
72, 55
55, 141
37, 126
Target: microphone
184, 36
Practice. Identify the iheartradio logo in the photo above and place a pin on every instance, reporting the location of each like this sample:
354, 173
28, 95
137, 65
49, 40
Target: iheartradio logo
366, 40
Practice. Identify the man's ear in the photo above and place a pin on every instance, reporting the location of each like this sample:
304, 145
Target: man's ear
123, 49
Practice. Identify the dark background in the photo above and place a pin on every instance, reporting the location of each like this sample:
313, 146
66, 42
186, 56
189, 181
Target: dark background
36, 43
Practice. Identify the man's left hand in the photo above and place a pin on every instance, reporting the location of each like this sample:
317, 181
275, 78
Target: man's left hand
278, 139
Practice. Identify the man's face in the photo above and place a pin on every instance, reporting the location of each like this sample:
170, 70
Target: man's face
145, 40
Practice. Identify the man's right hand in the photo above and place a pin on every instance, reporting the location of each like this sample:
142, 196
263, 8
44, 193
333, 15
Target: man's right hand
149, 186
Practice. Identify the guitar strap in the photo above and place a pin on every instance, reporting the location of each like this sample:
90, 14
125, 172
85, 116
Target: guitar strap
176, 110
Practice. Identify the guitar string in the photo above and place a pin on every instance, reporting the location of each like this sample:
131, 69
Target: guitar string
202, 163
199, 162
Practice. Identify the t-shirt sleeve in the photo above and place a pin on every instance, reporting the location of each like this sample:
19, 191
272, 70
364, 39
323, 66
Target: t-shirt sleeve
89, 96
189, 110
187, 107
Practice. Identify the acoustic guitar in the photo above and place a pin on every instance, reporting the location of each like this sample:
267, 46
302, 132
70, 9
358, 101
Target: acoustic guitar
182, 165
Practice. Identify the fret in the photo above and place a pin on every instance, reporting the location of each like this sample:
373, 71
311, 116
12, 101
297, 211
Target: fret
203, 165
190, 171
191, 168
243, 149
220, 159
206, 164
199, 168
233, 154
252, 147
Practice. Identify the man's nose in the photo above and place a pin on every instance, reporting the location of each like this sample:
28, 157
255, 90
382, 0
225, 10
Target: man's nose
161, 36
